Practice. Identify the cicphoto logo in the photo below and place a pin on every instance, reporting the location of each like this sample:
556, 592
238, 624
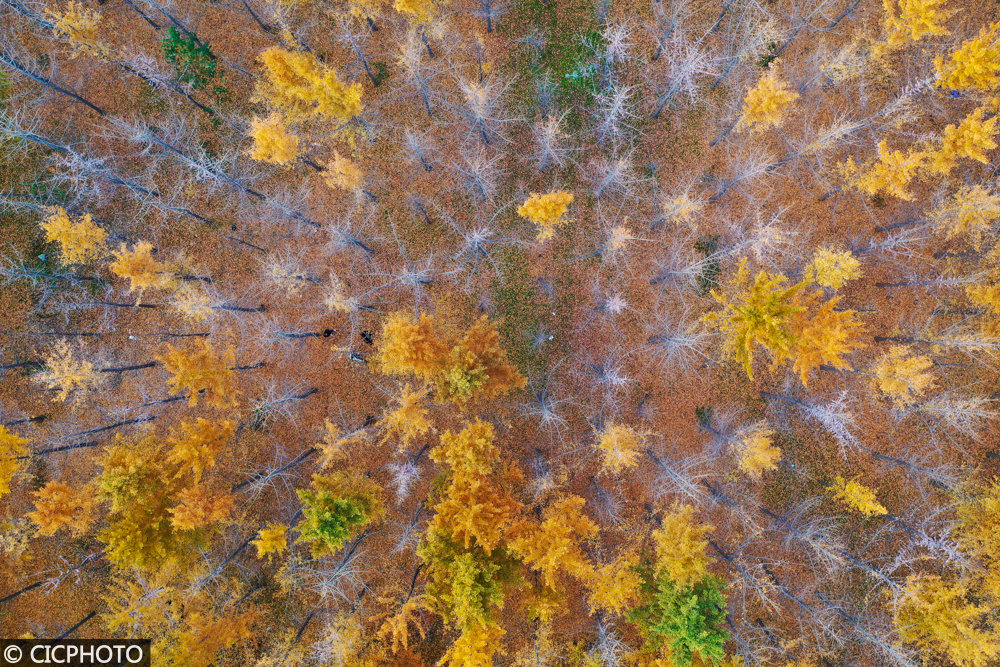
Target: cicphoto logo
75, 653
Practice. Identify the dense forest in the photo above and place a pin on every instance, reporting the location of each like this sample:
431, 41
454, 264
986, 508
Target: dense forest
659, 333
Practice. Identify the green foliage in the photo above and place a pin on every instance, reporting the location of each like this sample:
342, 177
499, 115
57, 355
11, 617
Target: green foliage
768, 57
193, 61
381, 72
335, 509
703, 413
140, 485
687, 618
465, 585
708, 279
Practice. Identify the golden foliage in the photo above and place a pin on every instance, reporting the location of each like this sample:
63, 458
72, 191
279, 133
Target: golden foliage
831, 268
473, 365
80, 26
939, 619
470, 451
756, 313
477, 365
765, 104
408, 419
142, 271
474, 512
969, 213
335, 441
554, 546
206, 635
303, 88
975, 65
271, 540
913, 20
200, 506
978, 533
418, 11
344, 174
890, 173
680, 546
614, 587
620, 446
475, 647
58, 505
856, 496
410, 346
903, 377
79, 241
202, 372
272, 142
548, 211
755, 453
397, 626
824, 338
969, 139
196, 445
65, 373
12, 448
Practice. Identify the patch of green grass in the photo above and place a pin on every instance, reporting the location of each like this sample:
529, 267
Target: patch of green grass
516, 300
381, 72
708, 279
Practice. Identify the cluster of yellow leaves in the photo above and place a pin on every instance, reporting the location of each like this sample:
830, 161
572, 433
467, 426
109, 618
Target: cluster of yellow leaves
12, 447
970, 212
272, 142
979, 534
475, 647
620, 446
824, 338
938, 618
271, 540
335, 440
614, 587
408, 419
302, 88
765, 104
554, 546
680, 546
548, 211
891, 172
58, 505
474, 511
975, 65
411, 346
856, 496
419, 11
142, 271
206, 635
779, 318
196, 445
903, 376
343, 173
200, 506
64, 373
80, 26
755, 453
202, 372
397, 626
79, 241
832, 268
756, 313
913, 20
460, 369
969, 139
